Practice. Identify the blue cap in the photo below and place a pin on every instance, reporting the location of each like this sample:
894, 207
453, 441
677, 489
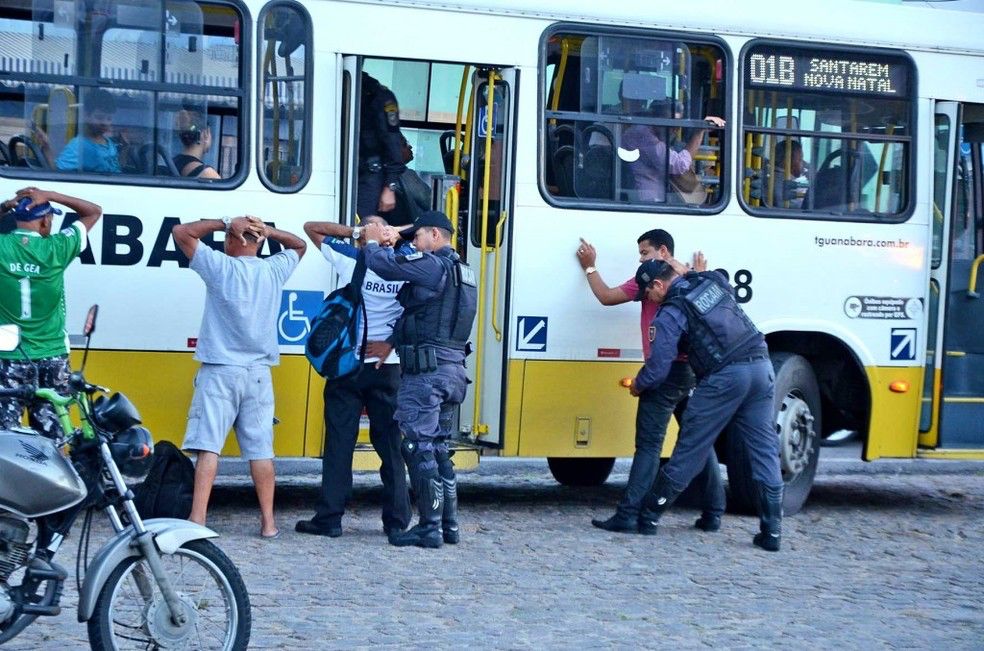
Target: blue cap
648, 271
24, 214
431, 218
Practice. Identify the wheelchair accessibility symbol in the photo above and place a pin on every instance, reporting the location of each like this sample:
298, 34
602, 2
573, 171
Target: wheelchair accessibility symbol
297, 308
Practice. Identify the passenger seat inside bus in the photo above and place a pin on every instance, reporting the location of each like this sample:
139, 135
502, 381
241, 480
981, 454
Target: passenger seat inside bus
156, 161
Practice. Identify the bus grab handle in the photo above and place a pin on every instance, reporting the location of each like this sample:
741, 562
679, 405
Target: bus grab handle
972, 284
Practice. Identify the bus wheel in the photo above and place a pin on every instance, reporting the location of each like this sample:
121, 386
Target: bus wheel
580, 471
797, 422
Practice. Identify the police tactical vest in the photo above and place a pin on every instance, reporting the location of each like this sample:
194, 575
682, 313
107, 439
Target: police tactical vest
718, 329
445, 319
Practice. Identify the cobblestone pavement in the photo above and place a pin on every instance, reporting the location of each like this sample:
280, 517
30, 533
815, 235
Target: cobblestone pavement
874, 561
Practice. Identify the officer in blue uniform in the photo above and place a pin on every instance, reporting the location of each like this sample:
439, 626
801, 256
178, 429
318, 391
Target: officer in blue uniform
380, 149
735, 386
439, 301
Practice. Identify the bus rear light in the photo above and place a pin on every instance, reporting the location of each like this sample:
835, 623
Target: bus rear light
899, 386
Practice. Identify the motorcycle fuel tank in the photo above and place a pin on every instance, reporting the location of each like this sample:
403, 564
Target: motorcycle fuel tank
35, 477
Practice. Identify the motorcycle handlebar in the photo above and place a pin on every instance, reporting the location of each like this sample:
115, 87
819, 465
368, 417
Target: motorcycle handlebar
25, 392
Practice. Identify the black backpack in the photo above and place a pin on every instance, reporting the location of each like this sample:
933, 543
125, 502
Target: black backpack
332, 347
169, 487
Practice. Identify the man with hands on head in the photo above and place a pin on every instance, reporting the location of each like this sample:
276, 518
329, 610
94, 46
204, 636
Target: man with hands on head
374, 388
33, 261
237, 345
657, 404
439, 302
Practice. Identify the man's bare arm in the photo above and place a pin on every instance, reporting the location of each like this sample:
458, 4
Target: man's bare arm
587, 256
88, 212
318, 231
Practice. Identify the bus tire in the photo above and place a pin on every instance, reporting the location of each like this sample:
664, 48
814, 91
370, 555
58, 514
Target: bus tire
798, 425
581, 471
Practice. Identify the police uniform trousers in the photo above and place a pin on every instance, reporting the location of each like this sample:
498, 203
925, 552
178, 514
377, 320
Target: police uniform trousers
376, 389
740, 394
367, 195
652, 417
426, 404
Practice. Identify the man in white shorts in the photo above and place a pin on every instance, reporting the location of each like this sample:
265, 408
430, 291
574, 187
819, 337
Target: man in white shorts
237, 345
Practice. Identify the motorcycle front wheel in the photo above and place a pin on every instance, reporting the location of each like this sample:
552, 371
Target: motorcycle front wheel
131, 612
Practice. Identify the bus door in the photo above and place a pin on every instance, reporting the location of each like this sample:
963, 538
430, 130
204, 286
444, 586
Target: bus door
955, 350
482, 241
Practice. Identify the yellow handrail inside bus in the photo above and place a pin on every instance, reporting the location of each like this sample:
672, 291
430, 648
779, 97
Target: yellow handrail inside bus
770, 196
565, 50
466, 144
478, 428
451, 210
458, 136
972, 285
495, 274
881, 166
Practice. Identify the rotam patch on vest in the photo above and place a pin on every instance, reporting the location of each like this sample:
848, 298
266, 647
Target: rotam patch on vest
707, 298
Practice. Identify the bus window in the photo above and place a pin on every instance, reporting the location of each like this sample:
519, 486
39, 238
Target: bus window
826, 131
59, 116
284, 43
623, 121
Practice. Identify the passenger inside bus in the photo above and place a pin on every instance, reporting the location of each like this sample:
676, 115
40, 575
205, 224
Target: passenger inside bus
644, 147
94, 149
790, 185
191, 127
413, 195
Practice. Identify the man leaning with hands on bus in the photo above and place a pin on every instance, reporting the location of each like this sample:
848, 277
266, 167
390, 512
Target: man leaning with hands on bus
237, 345
33, 261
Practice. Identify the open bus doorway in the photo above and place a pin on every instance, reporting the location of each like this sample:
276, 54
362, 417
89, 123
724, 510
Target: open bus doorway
458, 121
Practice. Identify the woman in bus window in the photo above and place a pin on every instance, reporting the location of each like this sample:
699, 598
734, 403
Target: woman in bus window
196, 138
94, 149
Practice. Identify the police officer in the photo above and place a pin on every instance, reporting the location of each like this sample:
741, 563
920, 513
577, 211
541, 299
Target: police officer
735, 385
439, 303
380, 149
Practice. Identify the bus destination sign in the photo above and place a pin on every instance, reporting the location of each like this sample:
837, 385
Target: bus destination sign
816, 70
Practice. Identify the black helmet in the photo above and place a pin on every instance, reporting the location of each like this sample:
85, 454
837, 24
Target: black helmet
115, 413
132, 450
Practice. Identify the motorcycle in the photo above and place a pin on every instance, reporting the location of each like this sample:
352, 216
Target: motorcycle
157, 583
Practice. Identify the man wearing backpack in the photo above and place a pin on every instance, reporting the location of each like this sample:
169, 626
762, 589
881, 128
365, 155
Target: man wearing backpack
237, 345
373, 387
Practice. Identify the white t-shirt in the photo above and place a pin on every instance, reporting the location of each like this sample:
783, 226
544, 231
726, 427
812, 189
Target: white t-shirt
382, 308
242, 302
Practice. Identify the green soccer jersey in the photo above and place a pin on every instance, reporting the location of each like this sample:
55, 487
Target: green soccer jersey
32, 287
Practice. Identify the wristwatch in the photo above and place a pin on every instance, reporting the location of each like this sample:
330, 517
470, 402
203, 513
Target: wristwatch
356, 232
391, 186
589, 271
226, 222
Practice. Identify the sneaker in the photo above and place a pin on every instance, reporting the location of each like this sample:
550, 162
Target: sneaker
451, 535
647, 527
767, 541
419, 536
309, 526
708, 522
617, 524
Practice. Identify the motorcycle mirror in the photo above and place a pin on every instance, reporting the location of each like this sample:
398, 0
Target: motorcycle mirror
90, 321
9, 337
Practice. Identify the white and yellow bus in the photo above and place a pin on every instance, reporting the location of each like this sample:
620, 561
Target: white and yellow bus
860, 264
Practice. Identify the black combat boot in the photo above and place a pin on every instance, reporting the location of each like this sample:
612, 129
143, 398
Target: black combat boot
426, 483
770, 518
449, 517
449, 483
708, 522
659, 499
